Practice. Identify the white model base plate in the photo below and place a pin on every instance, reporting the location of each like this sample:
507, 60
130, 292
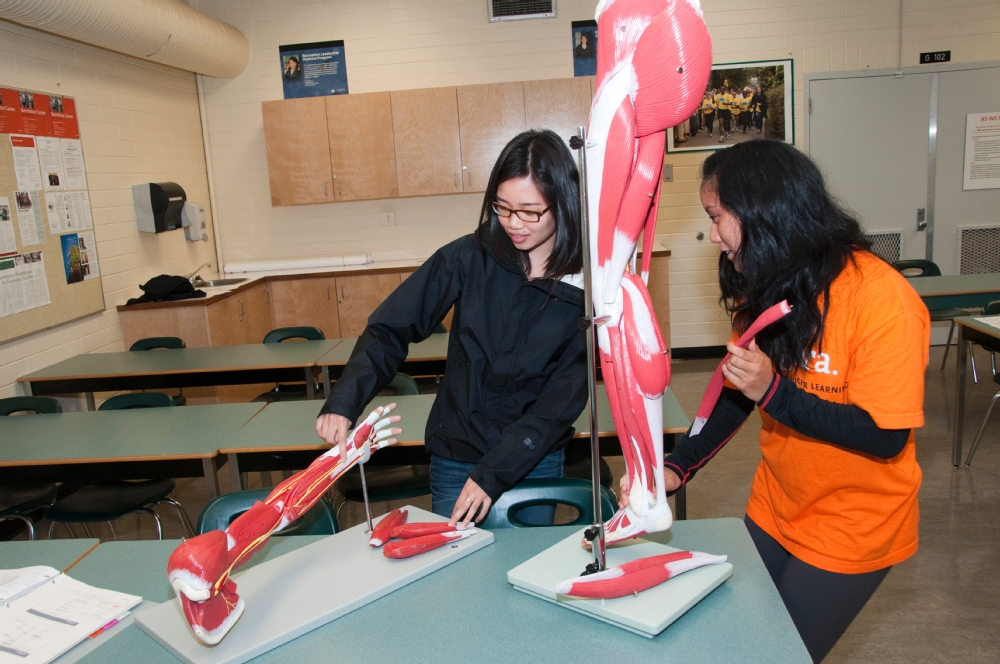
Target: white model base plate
647, 613
302, 590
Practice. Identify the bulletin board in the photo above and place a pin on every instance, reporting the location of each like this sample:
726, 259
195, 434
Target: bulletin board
49, 268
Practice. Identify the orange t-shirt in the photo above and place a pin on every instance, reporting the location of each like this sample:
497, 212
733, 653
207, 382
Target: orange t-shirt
834, 508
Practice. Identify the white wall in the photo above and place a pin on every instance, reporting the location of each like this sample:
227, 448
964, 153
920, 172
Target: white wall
139, 122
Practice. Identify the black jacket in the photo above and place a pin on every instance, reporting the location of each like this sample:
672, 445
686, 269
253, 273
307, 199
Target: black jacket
515, 379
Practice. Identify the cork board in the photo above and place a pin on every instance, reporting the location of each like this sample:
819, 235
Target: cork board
67, 301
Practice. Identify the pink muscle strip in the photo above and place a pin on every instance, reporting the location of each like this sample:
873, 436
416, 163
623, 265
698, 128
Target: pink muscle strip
653, 67
200, 567
637, 575
381, 533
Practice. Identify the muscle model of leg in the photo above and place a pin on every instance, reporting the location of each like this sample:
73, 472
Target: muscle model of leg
652, 70
637, 575
200, 567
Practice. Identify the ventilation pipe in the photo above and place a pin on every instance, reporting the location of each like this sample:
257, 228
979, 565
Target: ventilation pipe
165, 31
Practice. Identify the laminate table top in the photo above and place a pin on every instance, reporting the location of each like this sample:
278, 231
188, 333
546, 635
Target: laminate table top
59, 554
957, 291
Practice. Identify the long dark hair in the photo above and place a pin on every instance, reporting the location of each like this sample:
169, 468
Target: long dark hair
795, 241
543, 157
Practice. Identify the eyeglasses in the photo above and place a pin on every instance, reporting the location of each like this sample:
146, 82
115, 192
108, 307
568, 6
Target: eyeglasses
524, 215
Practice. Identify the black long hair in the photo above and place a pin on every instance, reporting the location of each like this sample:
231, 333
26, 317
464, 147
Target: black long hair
543, 157
796, 239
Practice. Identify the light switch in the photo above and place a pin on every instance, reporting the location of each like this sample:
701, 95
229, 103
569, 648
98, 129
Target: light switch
389, 218
668, 172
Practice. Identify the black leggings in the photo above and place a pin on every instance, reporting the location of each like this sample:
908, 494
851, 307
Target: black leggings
822, 604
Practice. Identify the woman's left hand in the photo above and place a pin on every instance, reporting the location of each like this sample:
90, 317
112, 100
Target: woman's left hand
750, 370
469, 501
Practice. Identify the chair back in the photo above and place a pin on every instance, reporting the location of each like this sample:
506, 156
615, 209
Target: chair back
156, 343
41, 405
440, 329
305, 332
992, 308
917, 267
218, 514
556, 491
138, 400
404, 385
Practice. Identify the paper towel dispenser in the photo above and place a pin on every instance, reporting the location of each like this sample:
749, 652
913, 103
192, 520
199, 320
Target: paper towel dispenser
158, 206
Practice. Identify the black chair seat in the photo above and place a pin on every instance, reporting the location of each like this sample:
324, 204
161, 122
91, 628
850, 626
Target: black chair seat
387, 483
35, 494
579, 467
947, 314
107, 501
284, 393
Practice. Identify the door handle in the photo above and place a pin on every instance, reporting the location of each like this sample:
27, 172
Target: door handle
342, 291
339, 191
921, 219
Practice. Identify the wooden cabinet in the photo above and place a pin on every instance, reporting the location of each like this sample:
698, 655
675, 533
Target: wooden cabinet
306, 301
428, 152
362, 153
298, 151
358, 297
489, 116
257, 322
562, 105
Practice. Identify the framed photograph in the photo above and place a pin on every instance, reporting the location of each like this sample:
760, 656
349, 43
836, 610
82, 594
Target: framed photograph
584, 48
743, 101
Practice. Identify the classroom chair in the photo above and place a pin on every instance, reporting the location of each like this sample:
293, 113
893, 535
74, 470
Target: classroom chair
991, 309
289, 391
570, 491
116, 499
162, 343
218, 514
992, 347
19, 501
916, 268
385, 483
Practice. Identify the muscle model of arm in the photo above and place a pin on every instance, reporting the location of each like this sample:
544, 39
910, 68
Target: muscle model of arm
653, 65
200, 567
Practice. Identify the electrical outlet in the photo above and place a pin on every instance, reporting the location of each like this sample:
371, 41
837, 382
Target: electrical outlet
668, 172
389, 218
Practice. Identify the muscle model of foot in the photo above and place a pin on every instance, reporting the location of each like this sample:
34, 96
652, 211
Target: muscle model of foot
653, 66
199, 568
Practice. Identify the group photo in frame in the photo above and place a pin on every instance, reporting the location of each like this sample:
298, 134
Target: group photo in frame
742, 101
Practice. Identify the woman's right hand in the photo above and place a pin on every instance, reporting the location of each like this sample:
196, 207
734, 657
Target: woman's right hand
333, 429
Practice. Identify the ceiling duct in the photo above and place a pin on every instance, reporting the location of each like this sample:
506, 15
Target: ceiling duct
514, 10
165, 31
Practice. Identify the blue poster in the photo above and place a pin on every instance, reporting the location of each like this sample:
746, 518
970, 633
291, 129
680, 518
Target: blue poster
584, 48
71, 258
313, 70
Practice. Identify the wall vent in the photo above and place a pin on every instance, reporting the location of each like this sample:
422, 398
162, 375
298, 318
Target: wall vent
979, 250
514, 10
887, 246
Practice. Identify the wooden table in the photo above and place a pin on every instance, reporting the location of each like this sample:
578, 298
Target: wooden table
426, 358
962, 291
59, 554
969, 329
119, 444
291, 427
183, 367
467, 612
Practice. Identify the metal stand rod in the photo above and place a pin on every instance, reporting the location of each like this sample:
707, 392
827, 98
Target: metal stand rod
364, 493
595, 534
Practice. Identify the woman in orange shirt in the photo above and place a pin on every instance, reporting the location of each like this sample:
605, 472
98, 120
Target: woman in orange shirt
839, 383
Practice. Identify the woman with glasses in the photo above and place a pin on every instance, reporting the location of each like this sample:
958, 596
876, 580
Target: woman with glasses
515, 379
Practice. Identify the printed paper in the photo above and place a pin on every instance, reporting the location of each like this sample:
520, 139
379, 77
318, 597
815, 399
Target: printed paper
88, 255
29, 217
50, 160
72, 163
22, 283
8, 241
29, 178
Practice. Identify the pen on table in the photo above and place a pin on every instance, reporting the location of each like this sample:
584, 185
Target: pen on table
109, 625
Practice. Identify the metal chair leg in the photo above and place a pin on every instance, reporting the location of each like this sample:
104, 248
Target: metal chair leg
69, 527
183, 515
156, 517
27, 521
951, 331
86, 529
52, 530
975, 443
972, 358
114, 533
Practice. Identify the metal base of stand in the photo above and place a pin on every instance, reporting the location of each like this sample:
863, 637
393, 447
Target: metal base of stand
647, 613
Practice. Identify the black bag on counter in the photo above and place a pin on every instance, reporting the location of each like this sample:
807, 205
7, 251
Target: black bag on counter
166, 288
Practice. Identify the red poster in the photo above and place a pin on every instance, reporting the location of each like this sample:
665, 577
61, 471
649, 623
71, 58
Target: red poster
10, 112
35, 113
22, 141
64, 123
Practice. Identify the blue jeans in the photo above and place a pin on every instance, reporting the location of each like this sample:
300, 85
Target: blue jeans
448, 478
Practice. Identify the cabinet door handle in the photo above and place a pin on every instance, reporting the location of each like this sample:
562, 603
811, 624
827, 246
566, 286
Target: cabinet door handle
470, 179
339, 191
241, 308
341, 291
326, 193
456, 180
267, 296
328, 291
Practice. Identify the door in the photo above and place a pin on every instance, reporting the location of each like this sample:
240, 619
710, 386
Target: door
489, 116
428, 152
358, 297
362, 154
298, 151
561, 104
869, 136
307, 302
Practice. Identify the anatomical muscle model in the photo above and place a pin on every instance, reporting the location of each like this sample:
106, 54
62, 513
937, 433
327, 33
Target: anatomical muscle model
637, 575
200, 567
653, 64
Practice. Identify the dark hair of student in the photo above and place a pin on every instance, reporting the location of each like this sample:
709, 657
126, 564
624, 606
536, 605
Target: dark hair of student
543, 157
796, 239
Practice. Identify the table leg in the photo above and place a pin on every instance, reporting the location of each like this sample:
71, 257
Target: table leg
91, 404
326, 382
234, 472
680, 504
211, 479
962, 351
310, 384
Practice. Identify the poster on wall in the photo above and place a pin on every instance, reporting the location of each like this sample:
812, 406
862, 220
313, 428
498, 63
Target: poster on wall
22, 283
313, 70
8, 242
72, 262
50, 161
63, 111
742, 101
29, 217
10, 112
584, 48
36, 114
29, 177
982, 151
